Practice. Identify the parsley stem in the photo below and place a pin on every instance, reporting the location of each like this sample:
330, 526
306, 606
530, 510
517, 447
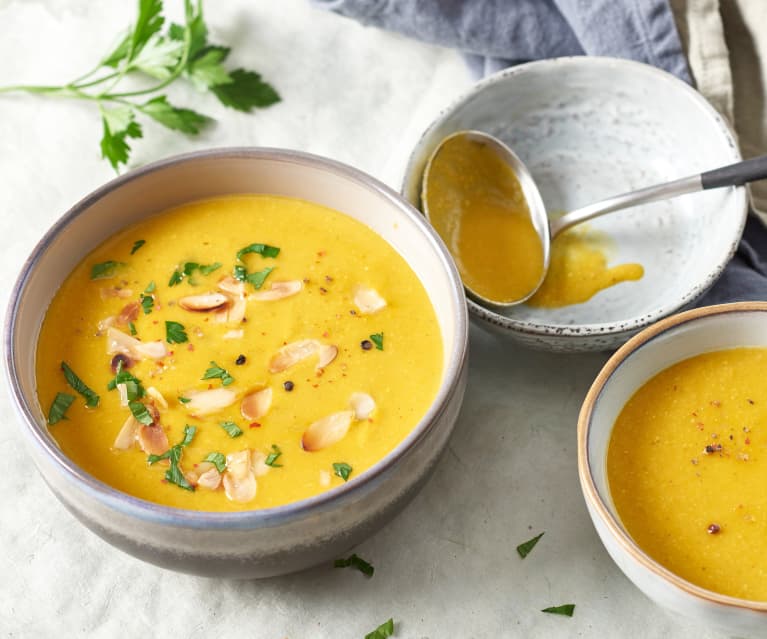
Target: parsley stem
78, 85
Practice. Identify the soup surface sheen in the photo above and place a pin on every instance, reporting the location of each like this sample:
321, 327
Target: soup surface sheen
284, 352
687, 468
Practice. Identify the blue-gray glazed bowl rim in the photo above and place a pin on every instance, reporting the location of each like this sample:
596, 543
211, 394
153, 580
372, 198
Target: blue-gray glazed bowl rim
607, 329
257, 518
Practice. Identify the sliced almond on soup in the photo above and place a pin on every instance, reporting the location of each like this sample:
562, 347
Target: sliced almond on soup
203, 303
278, 291
210, 479
258, 463
209, 401
367, 299
256, 404
234, 334
292, 353
328, 352
152, 439
325, 478
240, 490
232, 286
362, 404
157, 396
238, 464
129, 313
119, 342
126, 438
122, 390
327, 431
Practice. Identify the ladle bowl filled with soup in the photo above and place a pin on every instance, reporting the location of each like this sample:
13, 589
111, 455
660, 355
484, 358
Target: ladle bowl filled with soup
238, 362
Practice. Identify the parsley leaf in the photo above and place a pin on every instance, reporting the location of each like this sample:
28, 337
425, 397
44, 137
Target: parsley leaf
526, 548
150, 288
175, 278
118, 125
245, 91
132, 328
377, 339
355, 562
147, 303
232, 429
564, 609
59, 407
159, 57
174, 474
257, 279
175, 333
206, 69
218, 460
240, 272
342, 469
207, 269
140, 412
386, 629
178, 119
148, 23
104, 270
184, 400
91, 398
188, 269
216, 372
271, 458
132, 383
137, 245
261, 249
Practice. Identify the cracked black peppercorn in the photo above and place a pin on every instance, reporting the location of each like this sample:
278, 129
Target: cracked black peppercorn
366, 344
240, 360
288, 386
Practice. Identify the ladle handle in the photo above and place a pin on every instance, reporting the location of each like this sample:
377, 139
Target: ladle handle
733, 175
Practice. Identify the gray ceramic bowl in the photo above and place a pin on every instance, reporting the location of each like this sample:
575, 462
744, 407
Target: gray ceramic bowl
589, 128
258, 543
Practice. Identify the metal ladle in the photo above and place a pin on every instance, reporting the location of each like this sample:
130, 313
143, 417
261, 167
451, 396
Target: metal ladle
732, 175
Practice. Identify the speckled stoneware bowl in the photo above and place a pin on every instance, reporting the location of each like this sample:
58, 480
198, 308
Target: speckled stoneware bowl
257, 543
588, 128
653, 350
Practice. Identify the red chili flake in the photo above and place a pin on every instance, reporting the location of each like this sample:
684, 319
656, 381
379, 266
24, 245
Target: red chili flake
323, 290
170, 352
748, 440
321, 253
255, 425
326, 334
155, 321
190, 347
700, 425
713, 529
315, 385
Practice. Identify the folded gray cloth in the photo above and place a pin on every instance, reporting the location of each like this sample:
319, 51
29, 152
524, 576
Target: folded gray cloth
494, 34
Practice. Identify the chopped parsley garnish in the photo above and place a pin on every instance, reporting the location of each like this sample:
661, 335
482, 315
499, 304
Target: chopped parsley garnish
564, 609
271, 458
174, 475
264, 250
147, 303
184, 400
343, 470
188, 269
131, 328
232, 429
59, 407
137, 245
377, 340
218, 460
386, 629
526, 548
150, 288
175, 333
257, 279
132, 383
91, 398
104, 270
140, 412
240, 272
355, 562
216, 372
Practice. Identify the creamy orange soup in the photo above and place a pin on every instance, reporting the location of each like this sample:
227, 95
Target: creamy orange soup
687, 468
237, 353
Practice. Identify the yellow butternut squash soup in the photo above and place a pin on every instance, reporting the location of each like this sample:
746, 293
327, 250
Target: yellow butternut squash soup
687, 469
237, 353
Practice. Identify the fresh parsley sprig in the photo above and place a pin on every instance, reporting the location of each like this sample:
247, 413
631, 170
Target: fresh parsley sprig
180, 51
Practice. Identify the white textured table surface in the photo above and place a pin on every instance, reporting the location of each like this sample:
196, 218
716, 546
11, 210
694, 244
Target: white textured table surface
447, 566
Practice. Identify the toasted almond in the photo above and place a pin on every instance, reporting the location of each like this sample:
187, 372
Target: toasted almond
119, 342
152, 439
293, 353
210, 479
113, 291
258, 463
106, 323
236, 310
328, 352
238, 464
203, 303
327, 431
156, 396
367, 299
193, 474
278, 291
209, 401
324, 478
362, 404
256, 404
232, 286
122, 390
235, 333
129, 313
240, 490
126, 438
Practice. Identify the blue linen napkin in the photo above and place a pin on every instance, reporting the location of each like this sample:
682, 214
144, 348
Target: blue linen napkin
494, 34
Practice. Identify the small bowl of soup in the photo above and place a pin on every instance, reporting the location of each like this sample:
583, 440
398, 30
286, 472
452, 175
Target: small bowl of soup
672, 457
237, 362
587, 128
